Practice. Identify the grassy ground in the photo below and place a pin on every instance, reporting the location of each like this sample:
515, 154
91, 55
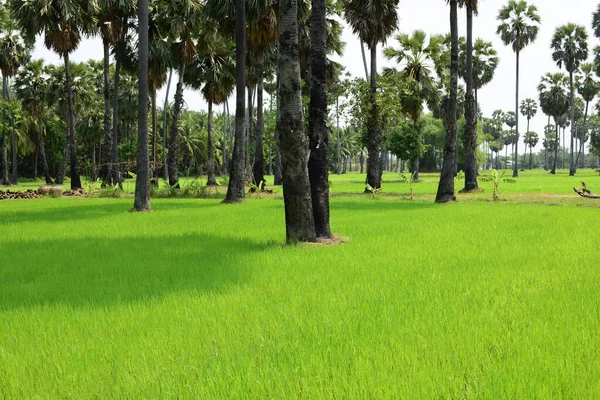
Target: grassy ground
477, 299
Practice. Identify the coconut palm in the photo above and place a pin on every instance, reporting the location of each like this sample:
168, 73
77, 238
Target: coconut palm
554, 101
445, 191
30, 87
421, 70
519, 27
142, 182
62, 23
588, 88
373, 21
570, 49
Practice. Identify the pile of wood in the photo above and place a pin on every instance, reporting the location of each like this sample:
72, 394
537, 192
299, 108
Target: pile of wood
585, 192
75, 192
15, 194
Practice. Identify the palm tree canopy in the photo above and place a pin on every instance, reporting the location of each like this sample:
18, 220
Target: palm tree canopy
13, 53
372, 20
473, 4
554, 98
510, 119
62, 22
529, 108
519, 24
587, 85
485, 62
569, 45
596, 22
531, 139
30, 86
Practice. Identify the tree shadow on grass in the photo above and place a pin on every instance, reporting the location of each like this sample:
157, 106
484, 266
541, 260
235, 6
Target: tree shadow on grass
102, 272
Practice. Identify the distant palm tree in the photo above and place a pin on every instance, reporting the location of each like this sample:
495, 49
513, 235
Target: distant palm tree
588, 88
570, 50
531, 139
445, 191
62, 23
528, 109
142, 182
373, 21
519, 27
554, 101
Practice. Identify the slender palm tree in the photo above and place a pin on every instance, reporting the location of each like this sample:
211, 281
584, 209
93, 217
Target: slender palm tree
531, 139
554, 101
373, 21
588, 88
421, 70
519, 27
445, 192
62, 23
570, 49
142, 182
30, 87
485, 62
529, 109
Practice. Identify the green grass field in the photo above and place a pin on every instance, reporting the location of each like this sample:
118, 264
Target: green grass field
477, 299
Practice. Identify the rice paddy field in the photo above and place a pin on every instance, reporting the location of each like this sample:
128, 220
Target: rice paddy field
476, 299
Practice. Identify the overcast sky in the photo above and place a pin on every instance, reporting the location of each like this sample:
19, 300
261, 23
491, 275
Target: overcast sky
432, 16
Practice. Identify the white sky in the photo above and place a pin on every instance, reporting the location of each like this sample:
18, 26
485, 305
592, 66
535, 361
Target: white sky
432, 16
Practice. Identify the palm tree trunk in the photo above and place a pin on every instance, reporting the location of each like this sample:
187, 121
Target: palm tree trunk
105, 160
174, 139
75, 179
114, 150
259, 158
516, 158
572, 165
249, 130
293, 142
470, 136
364, 58
224, 146
164, 128
62, 169
445, 191
154, 166
5, 179
14, 151
581, 142
235, 189
43, 154
530, 157
212, 180
557, 144
338, 149
318, 162
36, 155
374, 131
142, 182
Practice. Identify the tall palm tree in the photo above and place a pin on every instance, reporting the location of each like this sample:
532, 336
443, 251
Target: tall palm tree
554, 101
485, 62
30, 88
445, 192
373, 21
588, 88
470, 135
293, 142
142, 182
519, 27
529, 109
62, 23
421, 67
570, 49
531, 139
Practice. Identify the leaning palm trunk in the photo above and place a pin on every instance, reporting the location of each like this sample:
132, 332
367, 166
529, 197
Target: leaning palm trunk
142, 182
470, 137
235, 189
174, 138
374, 131
445, 191
318, 163
75, 179
258, 168
293, 142
212, 180
43, 158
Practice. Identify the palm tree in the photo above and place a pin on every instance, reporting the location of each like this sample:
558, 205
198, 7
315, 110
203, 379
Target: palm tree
445, 191
373, 21
570, 49
421, 66
531, 139
62, 23
519, 26
587, 87
293, 142
470, 135
485, 62
528, 109
142, 182
31, 87
554, 101
13, 53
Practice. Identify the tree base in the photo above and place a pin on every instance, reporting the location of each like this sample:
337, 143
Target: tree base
472, 190
446, 199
